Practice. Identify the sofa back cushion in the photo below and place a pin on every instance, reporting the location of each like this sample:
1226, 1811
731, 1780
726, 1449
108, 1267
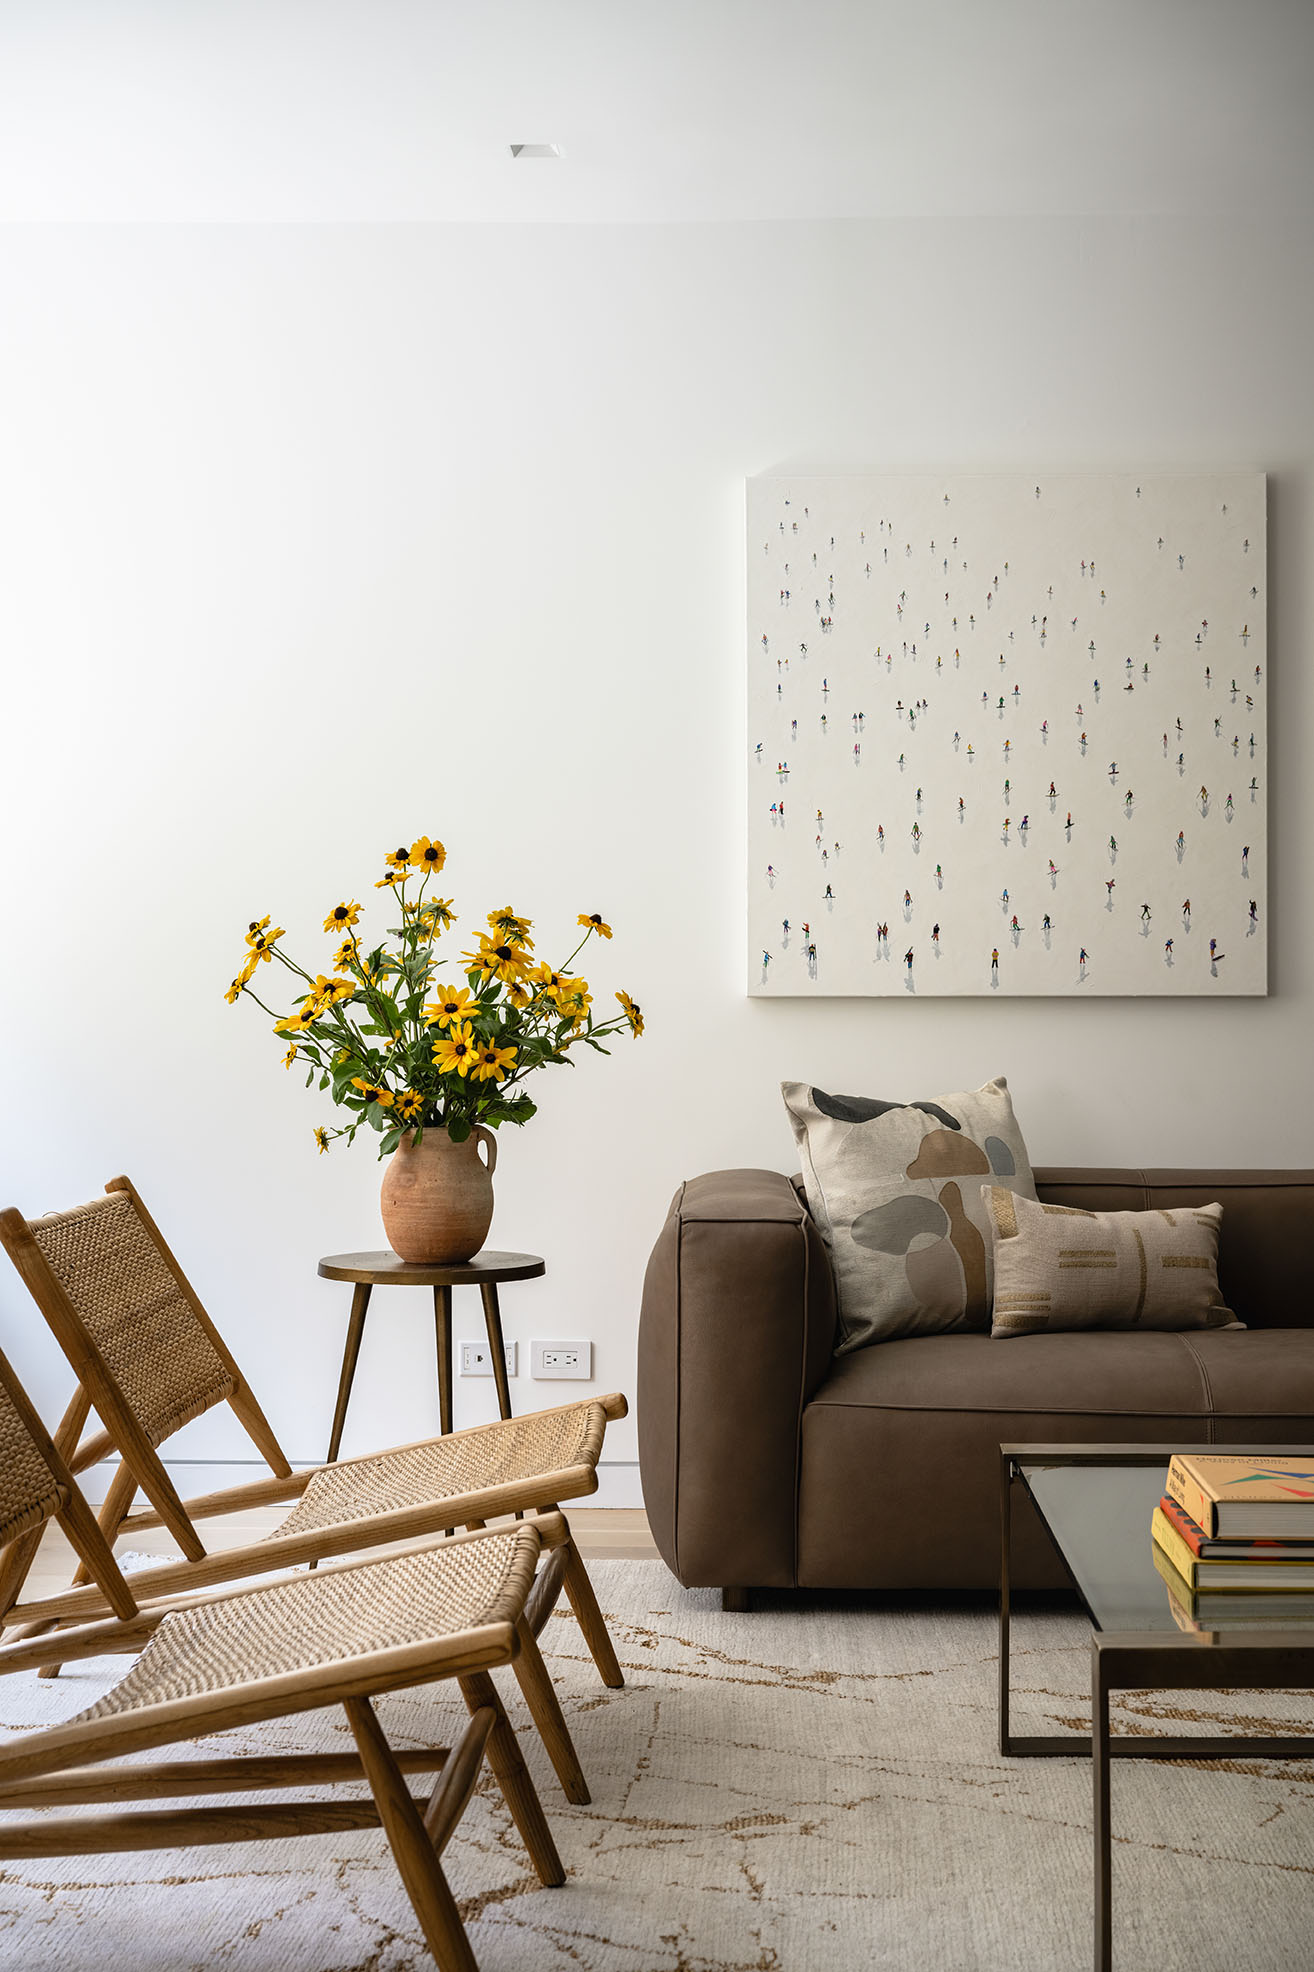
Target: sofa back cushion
1267, 1240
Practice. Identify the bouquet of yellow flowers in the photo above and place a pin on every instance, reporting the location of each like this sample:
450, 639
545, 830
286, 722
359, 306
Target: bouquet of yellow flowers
400, 1050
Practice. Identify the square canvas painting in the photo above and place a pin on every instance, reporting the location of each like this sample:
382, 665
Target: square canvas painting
1007, 734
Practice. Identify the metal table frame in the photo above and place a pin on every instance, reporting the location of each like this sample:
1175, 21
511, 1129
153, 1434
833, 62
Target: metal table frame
1149, 1660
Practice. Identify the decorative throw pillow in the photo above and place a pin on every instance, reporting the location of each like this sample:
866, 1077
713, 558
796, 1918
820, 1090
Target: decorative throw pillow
895, 1189
1060, 1268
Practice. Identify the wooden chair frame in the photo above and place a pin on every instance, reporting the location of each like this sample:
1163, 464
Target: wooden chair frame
62, 1765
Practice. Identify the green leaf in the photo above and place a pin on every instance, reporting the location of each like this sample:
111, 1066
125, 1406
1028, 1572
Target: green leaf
458, 1128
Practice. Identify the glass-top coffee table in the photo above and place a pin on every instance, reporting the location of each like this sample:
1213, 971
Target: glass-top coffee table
1095, 1502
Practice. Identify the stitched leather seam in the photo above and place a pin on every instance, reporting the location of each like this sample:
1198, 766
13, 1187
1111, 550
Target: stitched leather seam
1205, 1384
1056, 1409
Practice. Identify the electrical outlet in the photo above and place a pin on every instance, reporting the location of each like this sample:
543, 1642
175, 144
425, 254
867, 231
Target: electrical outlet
476, 1359
566, 1359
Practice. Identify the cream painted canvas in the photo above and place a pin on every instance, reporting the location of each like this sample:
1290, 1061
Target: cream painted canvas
1007, 734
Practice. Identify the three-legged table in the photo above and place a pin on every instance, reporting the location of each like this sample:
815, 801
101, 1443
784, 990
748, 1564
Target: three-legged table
370, 1270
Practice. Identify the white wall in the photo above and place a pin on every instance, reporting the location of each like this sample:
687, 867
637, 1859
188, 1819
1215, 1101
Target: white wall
314, 539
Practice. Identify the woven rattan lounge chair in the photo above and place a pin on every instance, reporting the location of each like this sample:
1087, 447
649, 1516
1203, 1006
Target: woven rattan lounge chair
149, 1358
453, 1609
355, 1629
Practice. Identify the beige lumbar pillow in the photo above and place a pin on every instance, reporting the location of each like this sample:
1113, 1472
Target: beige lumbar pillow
1060, 1268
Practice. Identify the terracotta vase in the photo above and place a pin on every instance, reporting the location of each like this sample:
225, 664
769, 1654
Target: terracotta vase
437, 1198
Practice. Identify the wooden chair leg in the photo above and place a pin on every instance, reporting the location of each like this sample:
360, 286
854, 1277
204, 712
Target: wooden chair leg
15, 1561
419, 1868
121, 1492
513, 1777
579, 1589
540, 1695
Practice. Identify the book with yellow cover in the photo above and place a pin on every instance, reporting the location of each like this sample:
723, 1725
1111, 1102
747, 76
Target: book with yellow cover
1242, 1495
1261, 1573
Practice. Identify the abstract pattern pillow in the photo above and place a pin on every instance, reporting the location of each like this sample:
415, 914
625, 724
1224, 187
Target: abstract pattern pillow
1060, 1268
895, 1189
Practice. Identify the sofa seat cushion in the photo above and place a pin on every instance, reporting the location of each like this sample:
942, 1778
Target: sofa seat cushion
899, 1471
1241, 1372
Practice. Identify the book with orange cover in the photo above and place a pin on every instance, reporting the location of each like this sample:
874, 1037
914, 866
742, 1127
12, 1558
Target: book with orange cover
1241, 1547
1229, 1495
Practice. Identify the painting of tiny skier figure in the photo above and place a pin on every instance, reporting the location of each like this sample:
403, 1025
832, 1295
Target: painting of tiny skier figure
1006, 735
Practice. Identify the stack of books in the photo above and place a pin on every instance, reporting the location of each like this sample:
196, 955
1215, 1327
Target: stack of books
1234, 1541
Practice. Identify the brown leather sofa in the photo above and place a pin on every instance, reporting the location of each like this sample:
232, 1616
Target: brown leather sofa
768, 1461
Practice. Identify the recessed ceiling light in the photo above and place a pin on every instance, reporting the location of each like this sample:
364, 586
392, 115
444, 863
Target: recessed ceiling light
537, 150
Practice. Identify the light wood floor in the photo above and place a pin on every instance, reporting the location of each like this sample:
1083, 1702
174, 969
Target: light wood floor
604, 1533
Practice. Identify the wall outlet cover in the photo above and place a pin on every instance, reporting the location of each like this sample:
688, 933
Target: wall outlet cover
571, 1357
476, 1358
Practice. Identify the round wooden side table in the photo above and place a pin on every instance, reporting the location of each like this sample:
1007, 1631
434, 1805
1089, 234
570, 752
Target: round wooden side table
384, 1269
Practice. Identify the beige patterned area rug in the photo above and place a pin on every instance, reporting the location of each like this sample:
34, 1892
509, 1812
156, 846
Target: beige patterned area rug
798, 1788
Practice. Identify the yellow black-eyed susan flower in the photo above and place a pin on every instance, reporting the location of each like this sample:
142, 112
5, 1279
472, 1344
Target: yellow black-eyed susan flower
261, 941
452, 1005
592, 922
321, 1138
392, 878
410, 1105
342, 917
428, 855
348, 953
398, 859
297, 1023
508, 926
573, 996
372, 1092
291, 1055
492, 1062
455, 1052
328, 992
499, 959
632, 1014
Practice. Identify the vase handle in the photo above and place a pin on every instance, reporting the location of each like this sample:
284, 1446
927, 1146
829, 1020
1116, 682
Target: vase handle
481, 1135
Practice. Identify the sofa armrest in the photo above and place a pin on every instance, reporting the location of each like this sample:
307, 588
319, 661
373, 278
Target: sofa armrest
736, 1331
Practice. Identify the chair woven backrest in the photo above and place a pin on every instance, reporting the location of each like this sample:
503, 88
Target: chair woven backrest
29, 1491
136, 1311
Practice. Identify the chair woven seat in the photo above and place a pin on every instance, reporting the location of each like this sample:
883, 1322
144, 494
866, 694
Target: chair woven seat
303, 1622
548, 1443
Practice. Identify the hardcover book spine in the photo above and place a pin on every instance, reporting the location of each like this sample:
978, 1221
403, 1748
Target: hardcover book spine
1192, 1533
1172, 1544
1191, 1496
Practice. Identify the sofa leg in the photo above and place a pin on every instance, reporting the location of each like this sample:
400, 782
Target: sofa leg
738, 1600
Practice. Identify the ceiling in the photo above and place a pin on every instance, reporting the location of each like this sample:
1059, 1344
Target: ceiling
667, 110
